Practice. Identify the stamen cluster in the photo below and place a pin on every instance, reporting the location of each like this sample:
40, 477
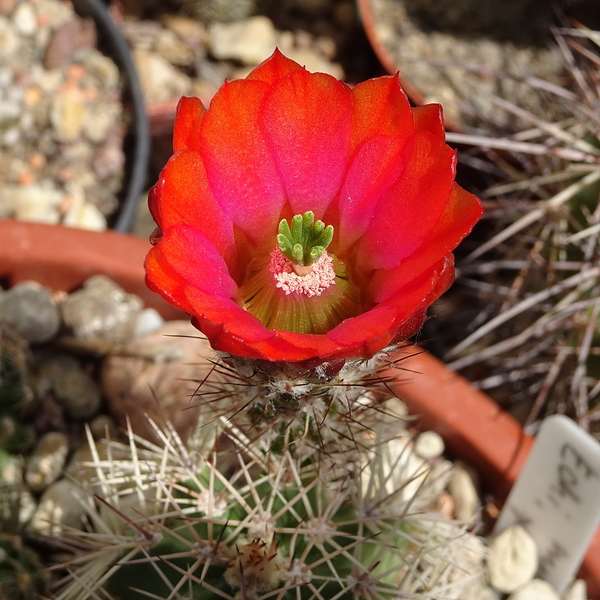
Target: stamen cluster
321, 276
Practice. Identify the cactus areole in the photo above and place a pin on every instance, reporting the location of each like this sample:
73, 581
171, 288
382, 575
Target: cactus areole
303, 221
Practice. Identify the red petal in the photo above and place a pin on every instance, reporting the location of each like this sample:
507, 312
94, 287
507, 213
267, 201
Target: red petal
430, 118
306, 120
375, 329
276, 67
162, 279
186, 132
194, 260
411, 207
240, 168
380, 106
183, 195
460, 215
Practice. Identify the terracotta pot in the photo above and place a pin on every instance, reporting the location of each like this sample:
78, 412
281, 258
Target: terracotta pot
472, 425
62, 258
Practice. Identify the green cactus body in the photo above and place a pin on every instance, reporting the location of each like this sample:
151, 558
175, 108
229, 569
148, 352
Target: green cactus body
283, 525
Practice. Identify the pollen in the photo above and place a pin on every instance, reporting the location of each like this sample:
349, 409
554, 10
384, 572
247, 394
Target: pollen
314, 283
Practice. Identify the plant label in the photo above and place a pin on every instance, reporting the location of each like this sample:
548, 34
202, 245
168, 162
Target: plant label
556, 498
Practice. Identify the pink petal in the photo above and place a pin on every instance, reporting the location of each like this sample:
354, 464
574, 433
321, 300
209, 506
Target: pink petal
239, 164
186, 132
306, 120
375, 167
410, 208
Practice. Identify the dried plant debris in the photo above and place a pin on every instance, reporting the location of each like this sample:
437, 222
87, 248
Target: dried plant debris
532, 336
462, 54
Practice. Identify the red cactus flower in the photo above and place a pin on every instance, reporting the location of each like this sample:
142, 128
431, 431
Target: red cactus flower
237, 246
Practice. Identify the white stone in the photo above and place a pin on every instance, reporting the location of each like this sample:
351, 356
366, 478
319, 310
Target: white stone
429, 445
250, 41
537, 589
85, 216
513, 559
159, 79
46, 461
9, 40
62, 505
24, 18
173, 49
100, 118
148, 321
103, 69
463, 489
576, 591
31, 203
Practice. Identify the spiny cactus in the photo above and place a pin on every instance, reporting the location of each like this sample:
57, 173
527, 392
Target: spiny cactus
170, 524
15, 391
21, 574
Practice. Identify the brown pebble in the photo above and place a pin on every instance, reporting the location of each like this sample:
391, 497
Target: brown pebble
37, 161
7, 6
66, 174
25, 177
70, 37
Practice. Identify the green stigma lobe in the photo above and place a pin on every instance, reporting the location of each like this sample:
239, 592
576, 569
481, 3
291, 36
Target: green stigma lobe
306, 240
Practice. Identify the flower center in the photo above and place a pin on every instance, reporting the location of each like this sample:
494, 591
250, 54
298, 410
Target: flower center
304, 242
299, 286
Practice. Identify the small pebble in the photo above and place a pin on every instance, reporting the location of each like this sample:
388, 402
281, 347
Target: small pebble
74, 388
138, 387
103, 427
148, 321
102, 68
67, 115
464, 490
7, 6
70, 37
29, 308
159, 79
85, 216
250, 41
17, 504
62, 505
429, 445
101, 310
24, 19
46, 461
513, 559
173, 49
577, 591
537, 589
